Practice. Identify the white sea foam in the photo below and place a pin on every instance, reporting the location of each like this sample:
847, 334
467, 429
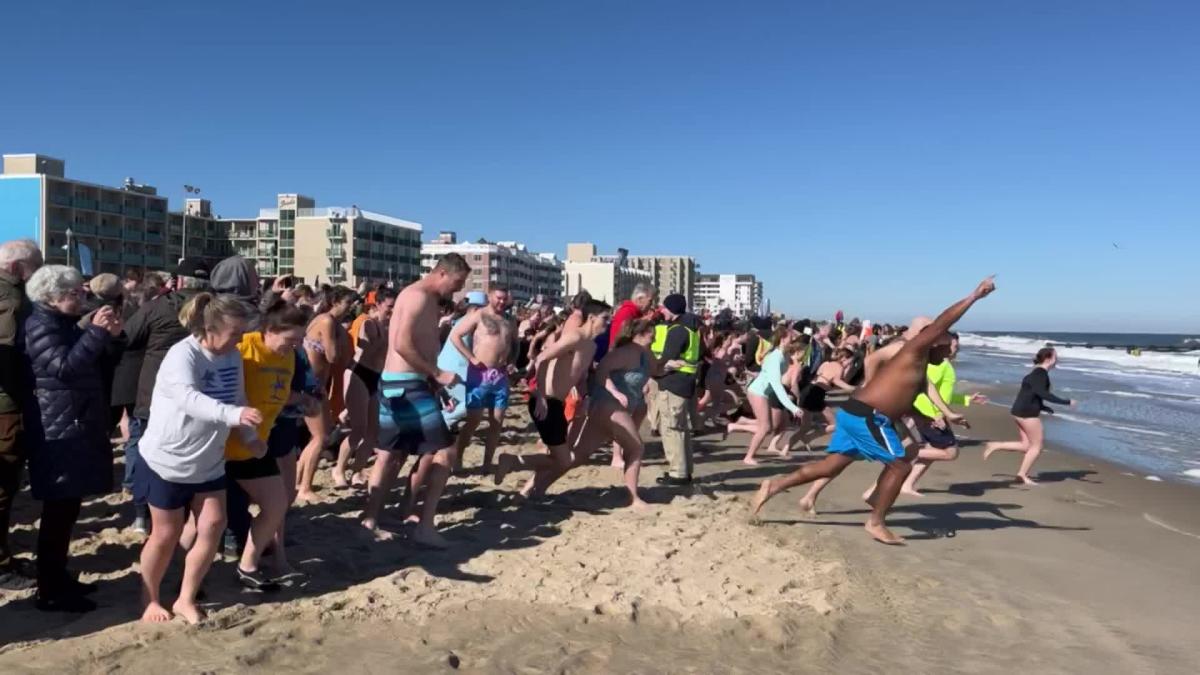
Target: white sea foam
1192, 473
1126, 394
1156, 479
1185, 362
1109, 425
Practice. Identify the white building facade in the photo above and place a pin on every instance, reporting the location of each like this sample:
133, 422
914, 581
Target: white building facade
741, 294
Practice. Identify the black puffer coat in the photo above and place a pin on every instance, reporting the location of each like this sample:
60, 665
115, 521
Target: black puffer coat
69, 452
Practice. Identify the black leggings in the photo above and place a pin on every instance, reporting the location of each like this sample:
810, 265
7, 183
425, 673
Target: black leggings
54, 542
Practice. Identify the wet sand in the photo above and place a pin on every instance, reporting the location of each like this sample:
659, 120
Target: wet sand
1093, 571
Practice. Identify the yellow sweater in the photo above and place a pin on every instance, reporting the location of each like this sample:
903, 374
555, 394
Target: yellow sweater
268, 385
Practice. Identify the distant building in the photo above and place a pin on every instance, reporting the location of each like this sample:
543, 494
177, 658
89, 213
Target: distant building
123, 227
527, 275
607, 278
742, 294
668, 273
340, 245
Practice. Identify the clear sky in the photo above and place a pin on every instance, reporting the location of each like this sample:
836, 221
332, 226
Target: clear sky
879, 157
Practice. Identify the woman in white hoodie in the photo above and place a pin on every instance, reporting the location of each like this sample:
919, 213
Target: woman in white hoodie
198, 397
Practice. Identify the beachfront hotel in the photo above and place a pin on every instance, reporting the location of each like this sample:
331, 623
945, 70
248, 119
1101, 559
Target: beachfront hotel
668, 273
607, 278
741, 294
334, 244
528, 276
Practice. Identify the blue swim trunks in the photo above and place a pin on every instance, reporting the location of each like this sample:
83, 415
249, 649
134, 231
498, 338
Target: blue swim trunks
863, 433
410, 415
487, 388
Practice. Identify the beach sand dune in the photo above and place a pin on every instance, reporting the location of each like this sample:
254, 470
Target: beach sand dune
1064, 578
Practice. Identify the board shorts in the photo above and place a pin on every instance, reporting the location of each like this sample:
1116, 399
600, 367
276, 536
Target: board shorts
150, 488
865, 433
487, 388
250, 469
812, 398
410, 415
938, 438
552, 429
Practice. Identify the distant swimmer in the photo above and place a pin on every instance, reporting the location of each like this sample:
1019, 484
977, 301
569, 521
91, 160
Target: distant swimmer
1027, 410
865, 427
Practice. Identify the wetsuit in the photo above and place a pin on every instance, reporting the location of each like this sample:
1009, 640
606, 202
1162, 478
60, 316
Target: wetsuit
1035, 391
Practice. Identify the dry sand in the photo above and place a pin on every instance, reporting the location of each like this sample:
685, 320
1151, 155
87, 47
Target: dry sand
1094, 571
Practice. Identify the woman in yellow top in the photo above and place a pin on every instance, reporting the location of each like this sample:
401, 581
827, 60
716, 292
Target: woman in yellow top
268, 364
940, 444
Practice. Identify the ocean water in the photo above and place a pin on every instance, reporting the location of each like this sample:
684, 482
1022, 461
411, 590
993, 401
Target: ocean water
1142, 411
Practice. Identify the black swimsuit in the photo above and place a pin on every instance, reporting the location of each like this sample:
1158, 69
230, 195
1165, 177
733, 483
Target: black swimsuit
1035, 391
369, 377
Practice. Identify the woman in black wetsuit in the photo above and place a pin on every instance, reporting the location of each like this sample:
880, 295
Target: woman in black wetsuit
1026, 411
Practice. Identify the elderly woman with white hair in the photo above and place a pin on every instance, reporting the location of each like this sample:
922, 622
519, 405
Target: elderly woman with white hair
70, 457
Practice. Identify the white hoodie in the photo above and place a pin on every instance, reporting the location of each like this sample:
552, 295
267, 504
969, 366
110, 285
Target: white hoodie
198, 397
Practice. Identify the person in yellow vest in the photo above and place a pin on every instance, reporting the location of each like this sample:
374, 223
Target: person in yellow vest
268, 363
676, 348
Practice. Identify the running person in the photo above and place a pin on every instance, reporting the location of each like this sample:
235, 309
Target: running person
767, 393
864, 424
812, 396
369, 336
488, 357
1027, 411
561, 366
410, 412
327, 346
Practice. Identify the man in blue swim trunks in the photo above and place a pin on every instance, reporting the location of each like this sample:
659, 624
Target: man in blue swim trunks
493, 347
410, 407
864, 424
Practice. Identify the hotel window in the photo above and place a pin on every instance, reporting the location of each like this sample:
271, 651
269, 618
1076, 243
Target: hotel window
477, 258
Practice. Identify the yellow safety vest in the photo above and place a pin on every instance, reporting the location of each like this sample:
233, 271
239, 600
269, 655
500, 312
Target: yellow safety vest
690, 356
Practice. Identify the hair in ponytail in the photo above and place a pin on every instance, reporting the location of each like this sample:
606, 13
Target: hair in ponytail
205, 312
1043, 355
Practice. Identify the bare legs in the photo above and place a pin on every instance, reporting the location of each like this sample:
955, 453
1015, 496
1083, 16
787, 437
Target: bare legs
271, 497
470, 424
209, 510
762, 427
357, 445
926, 456
383, 473
1032, 437
318, 426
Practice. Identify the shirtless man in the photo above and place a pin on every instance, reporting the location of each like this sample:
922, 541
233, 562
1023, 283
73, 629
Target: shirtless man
488, 358
410, 412
872, 365
562, 365
864, 424
361, 416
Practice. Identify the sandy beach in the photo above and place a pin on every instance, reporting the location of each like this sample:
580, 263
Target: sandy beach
1093, 571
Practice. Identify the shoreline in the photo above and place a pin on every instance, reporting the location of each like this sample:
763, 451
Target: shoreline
1092, 570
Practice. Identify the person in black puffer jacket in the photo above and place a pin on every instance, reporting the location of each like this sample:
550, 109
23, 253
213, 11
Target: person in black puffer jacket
70, 456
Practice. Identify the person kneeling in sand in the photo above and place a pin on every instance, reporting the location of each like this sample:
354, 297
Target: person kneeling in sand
864, 425
562, 365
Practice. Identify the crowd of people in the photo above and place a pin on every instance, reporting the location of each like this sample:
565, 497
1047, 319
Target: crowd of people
226, 392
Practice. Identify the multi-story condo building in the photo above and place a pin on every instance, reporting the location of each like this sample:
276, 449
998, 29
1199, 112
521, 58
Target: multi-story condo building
122, 227
742, 294
607, 278
205, 234
668, 273
342, 245
528, 276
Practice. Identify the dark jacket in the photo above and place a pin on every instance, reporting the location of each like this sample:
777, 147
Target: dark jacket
14, 309
153, 329
125, 377
680, 384
70, 455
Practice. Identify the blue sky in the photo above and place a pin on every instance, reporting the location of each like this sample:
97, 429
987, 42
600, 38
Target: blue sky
879, 157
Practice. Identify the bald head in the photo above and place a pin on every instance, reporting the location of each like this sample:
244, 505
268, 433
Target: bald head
917, 325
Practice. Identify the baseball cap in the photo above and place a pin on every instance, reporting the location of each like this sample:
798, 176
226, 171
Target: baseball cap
192, 267
477, 298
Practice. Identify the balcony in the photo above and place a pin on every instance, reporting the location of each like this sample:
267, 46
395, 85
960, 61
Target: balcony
155, 261
134, 235
241, 234
134, 211
155, 213
82, 203
110, 207
109, 256
335, 252
80, 228
110, 231
61, 200
335, 232
154, 237
132, 258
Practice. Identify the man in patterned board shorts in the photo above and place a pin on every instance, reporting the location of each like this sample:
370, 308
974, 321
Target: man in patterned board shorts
492, 348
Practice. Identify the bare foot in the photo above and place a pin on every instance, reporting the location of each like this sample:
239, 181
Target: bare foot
784, 453
429, 538
156, 613
807, 506
339, 480
307, 497
639, 505
750, 461
987, 451
379, 534
910, 493
1027, 480
504, 465
188, 611
883, 535
760, 499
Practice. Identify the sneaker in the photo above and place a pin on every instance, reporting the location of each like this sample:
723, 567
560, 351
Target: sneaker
141, 525
668, 479
256, 580
75, 604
